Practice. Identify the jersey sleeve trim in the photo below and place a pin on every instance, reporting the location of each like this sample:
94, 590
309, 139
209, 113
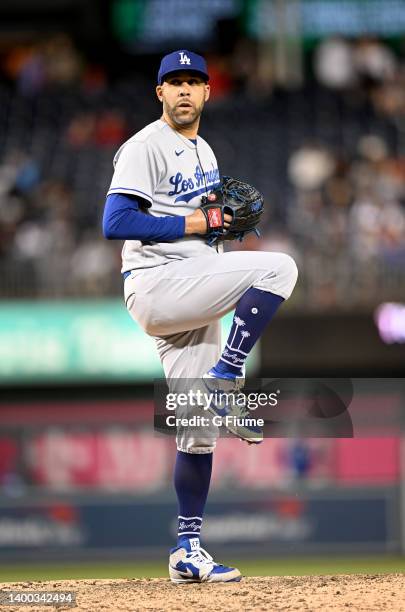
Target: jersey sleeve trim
131, 191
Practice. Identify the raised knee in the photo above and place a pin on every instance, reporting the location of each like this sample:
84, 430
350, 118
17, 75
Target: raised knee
290, 268
286, 276
151, 328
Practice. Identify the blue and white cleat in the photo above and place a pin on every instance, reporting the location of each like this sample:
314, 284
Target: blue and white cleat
235, 417
190, 563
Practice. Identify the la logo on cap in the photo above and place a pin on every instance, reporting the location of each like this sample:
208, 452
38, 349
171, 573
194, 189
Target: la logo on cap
184, 59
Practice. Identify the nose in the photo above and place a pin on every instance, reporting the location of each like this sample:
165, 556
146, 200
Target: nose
184, 89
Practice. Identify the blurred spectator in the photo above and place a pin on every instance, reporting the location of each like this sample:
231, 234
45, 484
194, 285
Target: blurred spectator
28, 174
81, 129
32, 241
32, 75
94, 80
55, 199
245, 68
343, 64
374, 62
106, 129
389, 97
62, 60
221, 80
25, 64
51, 60
338, 189
376, 229
19, 173
92, 265
310, 166
19, 177
111, 129
334, 63
15, 58
372, 148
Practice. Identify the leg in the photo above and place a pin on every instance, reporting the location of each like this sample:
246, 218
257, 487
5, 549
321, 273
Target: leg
184, 356
254, 311
198, 291
192, 476
191, 293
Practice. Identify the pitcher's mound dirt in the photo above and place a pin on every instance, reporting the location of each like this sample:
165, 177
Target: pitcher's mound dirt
343, 592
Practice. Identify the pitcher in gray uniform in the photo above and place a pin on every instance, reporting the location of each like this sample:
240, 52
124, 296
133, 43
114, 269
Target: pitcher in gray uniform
177, 287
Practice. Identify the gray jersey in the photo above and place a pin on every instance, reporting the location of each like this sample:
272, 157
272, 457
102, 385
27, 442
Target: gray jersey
171, 173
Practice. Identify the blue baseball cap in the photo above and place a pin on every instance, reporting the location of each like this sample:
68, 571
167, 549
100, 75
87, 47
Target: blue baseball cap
182, 60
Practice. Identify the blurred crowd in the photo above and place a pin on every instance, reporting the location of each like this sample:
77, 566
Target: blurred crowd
335, 178
50, 62
348, 217
44, 248
349, 203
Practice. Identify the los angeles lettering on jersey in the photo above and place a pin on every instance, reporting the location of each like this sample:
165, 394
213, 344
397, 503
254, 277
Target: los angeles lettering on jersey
183, 185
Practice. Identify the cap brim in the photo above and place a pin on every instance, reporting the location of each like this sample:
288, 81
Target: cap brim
203, 75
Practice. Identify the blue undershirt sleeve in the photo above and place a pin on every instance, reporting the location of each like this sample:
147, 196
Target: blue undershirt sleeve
123, 220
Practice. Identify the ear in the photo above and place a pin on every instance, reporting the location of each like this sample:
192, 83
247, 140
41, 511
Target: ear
159, 92
207, 89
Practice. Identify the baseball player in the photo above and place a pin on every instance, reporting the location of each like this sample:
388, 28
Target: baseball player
178, 287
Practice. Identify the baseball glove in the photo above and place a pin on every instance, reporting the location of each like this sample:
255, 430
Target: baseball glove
240, 200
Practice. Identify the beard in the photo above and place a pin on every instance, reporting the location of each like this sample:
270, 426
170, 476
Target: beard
183, 116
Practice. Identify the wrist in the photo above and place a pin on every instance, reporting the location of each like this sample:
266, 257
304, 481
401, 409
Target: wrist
195, 223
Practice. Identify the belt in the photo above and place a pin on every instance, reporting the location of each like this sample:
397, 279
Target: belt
126, 274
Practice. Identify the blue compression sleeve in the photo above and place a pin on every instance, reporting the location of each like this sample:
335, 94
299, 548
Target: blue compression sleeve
123, 220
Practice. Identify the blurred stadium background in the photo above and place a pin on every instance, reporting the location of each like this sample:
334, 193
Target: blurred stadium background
308, 104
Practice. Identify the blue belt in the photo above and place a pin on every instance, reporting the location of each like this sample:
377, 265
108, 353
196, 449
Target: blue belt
126, 274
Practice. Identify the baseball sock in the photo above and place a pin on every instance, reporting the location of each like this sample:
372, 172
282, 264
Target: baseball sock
253, 311
192, 475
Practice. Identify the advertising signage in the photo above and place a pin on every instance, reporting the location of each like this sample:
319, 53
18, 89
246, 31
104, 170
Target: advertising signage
85, 341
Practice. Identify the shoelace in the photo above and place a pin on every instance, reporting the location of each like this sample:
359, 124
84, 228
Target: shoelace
201, 556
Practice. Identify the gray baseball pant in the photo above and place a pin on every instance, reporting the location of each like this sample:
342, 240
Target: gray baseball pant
181, 303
